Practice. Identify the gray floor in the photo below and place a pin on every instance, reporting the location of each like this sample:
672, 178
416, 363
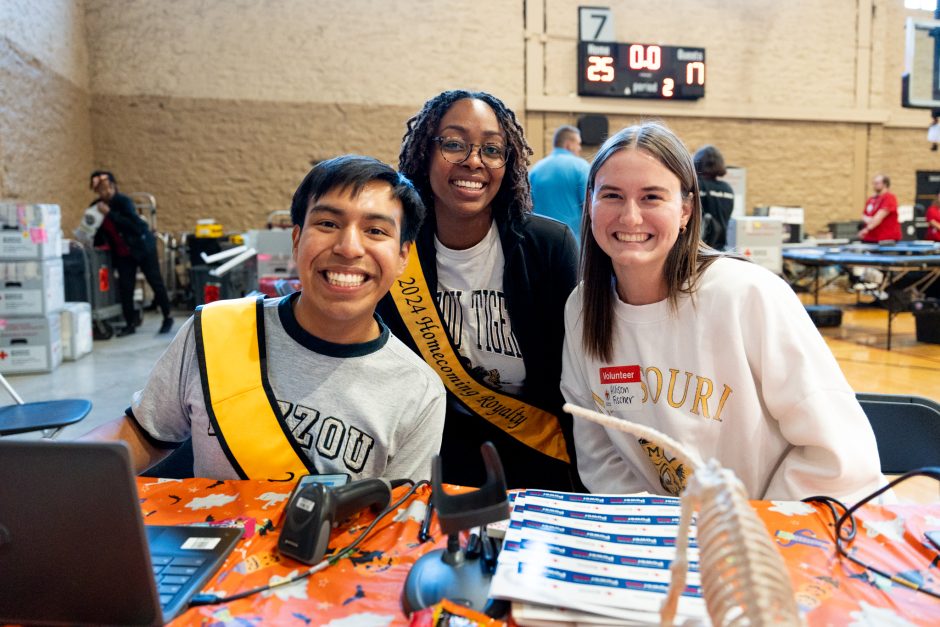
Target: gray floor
108, 376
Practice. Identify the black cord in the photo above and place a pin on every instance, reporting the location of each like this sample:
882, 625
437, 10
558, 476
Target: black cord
424, 533
211, 599
833, 505
342, 553
848, 536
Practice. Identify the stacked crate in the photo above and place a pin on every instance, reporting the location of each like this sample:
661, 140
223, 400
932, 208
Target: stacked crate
32, 290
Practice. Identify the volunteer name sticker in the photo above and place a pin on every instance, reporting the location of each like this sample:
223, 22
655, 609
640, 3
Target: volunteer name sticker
621, 388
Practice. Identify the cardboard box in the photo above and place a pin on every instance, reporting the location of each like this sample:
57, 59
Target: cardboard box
30, 344
30, 231
77, 335
759, 239
34, 244
22, 216
31, 288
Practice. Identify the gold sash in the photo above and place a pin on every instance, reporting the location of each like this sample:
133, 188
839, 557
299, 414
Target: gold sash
241, 408
530, 425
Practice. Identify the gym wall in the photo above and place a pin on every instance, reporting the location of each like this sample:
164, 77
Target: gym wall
45, 127
805, 95
218, 107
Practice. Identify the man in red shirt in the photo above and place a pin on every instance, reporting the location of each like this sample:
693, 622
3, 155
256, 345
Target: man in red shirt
933, 220
881, 213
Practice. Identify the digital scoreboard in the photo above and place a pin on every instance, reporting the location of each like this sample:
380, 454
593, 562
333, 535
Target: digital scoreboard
625, 70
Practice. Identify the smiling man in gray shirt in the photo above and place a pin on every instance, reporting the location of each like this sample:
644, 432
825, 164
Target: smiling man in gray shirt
312, 382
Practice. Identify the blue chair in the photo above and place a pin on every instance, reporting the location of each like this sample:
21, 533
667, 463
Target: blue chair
907, 429
49, 416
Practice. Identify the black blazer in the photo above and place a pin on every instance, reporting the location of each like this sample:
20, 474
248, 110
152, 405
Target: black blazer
539, 273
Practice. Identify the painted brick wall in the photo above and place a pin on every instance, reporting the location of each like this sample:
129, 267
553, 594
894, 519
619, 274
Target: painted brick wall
758, 51
45, 127
775, 70
232, 160
219, 107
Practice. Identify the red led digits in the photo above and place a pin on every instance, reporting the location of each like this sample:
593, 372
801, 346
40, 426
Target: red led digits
645, 57
669, 88
600, 69
636, 70
695, 73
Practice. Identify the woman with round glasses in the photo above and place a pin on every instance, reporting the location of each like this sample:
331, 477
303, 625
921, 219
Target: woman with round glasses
482, 300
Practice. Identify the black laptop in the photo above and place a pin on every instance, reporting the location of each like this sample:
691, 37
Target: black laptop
73, 546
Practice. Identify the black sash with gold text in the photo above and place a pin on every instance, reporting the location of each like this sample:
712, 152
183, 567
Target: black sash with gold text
534, 427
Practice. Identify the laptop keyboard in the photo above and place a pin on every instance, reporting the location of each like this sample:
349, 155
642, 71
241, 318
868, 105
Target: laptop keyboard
173, 573
184, 559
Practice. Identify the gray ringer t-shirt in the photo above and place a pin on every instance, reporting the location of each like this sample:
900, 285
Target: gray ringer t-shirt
370, 410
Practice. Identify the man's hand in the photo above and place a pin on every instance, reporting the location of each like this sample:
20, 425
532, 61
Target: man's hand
103, 207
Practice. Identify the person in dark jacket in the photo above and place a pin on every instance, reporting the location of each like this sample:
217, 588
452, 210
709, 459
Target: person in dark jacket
482, 300
133, 246
717, 196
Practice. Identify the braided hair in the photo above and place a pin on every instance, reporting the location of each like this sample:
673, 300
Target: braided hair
513, 199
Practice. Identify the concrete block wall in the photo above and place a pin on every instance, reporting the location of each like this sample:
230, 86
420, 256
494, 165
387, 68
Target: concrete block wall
46, 150
806, 95
218, 107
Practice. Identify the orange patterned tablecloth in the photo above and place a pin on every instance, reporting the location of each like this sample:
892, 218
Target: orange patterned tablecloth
366, 589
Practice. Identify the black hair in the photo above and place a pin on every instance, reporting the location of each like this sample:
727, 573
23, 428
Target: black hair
102, 172
709, 162
513, 199
353, 172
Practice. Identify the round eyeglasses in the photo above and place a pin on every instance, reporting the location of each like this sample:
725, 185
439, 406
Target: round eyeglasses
457, 151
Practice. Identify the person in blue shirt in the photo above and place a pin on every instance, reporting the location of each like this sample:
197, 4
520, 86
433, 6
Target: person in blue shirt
559, 180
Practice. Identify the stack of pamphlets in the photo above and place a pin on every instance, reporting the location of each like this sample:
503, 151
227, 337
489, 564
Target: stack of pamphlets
593, 559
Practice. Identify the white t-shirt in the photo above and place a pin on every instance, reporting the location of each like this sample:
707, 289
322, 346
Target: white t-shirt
473, 308
738, 374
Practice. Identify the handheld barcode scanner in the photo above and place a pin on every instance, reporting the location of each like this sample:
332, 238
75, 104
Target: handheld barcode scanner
314, 509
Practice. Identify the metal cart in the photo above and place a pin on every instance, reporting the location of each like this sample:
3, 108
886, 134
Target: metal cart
90, 278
